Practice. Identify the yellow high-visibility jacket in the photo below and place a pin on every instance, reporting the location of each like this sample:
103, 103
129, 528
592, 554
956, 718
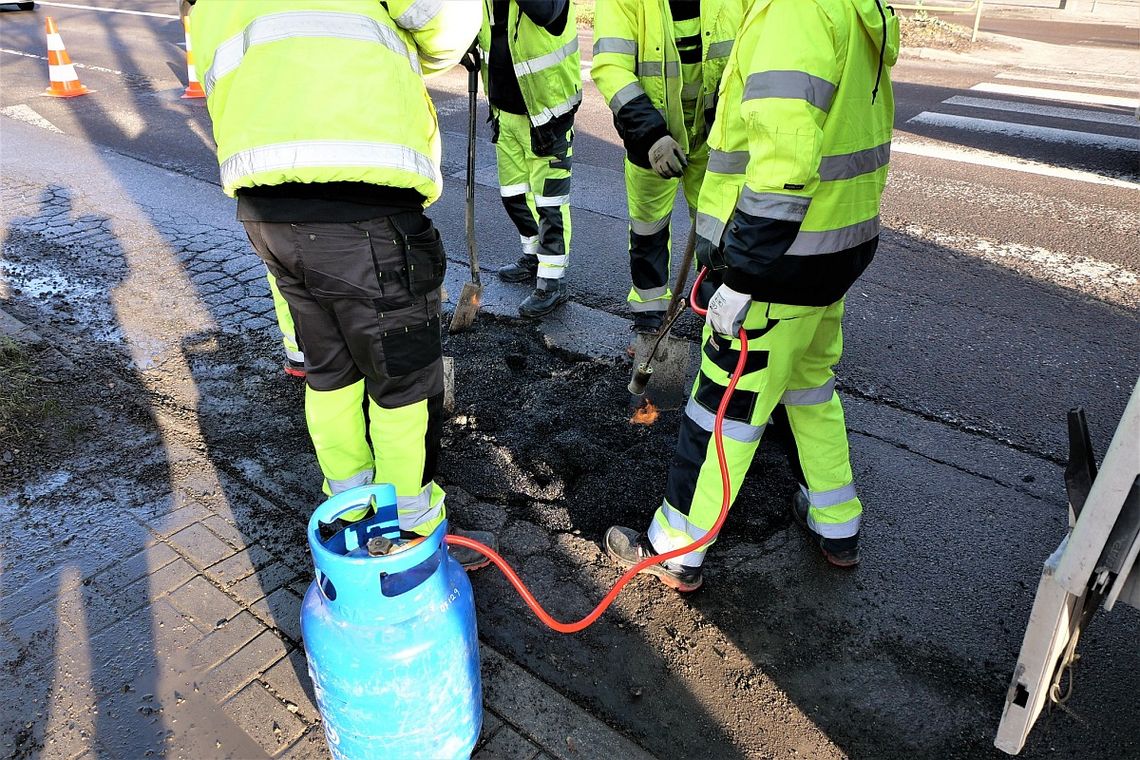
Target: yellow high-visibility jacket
548, 66
637, 66
800, 148
328, 90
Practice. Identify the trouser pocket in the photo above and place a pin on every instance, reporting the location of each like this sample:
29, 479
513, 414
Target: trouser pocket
425, 263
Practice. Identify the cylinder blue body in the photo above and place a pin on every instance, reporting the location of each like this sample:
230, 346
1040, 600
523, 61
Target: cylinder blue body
390, 640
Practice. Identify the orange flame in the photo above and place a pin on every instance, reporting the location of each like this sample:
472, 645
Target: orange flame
646, 414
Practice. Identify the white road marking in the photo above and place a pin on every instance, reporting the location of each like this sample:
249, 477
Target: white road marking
1064, 96
1100, 279
108, 10
1122, 87
1028, 131
999, 161
28, 115
1058, 112
76, 65
1025, 69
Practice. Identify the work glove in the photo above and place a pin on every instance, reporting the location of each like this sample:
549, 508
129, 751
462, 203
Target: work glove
667, 158
727, 310
472, 59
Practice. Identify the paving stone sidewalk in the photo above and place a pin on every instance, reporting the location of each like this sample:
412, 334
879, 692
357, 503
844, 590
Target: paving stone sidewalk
159, 615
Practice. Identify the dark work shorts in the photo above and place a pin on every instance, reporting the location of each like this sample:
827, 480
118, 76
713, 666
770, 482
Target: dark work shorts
347, 286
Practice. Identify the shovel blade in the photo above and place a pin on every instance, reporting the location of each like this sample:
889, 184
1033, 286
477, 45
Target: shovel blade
466, 307
672, 379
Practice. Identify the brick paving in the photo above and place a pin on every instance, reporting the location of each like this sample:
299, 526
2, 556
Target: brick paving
172, 628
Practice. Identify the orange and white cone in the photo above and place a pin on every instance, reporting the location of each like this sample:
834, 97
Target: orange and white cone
194, 89
61, 72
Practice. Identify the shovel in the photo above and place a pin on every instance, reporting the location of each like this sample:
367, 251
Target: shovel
472, 293
662, 357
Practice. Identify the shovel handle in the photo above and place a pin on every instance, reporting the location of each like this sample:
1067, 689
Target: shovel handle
472, 106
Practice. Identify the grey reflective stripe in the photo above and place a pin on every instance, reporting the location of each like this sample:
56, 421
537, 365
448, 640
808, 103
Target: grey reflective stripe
789, 208
624, 95
563, 108
326, 153
809, 243
710, 228
419, 14
835, 530
809, 396
848, 165
734, 429
832, 498
643, 306
650, 294
539, 63
615, 45
654, 68
678, 521
663, 542
551, 200
646, 229
417, 510
343, 484
721, 162
274, 27
719, 49
691, 90
790, 84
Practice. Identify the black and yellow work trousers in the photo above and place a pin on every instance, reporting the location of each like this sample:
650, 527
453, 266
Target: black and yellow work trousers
368, 334
788, 376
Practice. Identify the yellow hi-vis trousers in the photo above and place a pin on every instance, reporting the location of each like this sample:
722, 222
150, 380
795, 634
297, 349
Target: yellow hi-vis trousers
650, 198
791, 352
293, 350
536, 186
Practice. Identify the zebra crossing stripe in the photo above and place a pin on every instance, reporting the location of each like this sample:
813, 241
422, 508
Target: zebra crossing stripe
1028, 131
1064, 96
1058, 112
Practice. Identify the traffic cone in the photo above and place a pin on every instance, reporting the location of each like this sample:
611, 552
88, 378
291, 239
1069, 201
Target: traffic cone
194, 89
61, 73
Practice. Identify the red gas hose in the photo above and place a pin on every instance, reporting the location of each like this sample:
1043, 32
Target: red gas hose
718, 438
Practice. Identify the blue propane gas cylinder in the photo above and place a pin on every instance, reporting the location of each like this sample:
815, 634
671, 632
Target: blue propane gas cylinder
391, 639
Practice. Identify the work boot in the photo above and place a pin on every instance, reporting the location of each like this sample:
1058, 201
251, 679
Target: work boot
523, 270
294, 369
627, 547
469, 559
646, 324
546, 298
840, 552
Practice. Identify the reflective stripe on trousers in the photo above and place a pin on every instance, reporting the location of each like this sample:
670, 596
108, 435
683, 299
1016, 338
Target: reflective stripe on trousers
536, 194
791, 352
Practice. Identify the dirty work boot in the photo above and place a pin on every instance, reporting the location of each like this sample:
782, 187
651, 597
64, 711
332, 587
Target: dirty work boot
645, 325
627, 547
470, 559
547, 297
523, 270
295, 369
840, 552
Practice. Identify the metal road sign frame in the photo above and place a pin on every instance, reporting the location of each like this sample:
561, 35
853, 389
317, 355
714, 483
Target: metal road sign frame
1096, 562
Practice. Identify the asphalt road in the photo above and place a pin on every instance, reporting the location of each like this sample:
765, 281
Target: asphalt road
1004, 293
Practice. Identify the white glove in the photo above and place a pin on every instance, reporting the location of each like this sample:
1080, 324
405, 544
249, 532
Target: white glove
727, 310
667, 158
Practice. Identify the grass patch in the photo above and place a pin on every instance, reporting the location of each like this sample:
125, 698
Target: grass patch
23, 404
921, 30
584, 13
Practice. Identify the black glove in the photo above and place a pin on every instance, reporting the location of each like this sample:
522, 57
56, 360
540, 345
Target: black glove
472, 59
550, 139
709, 255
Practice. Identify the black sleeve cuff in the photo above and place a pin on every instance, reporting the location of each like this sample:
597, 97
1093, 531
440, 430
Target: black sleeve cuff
752, 245
640, 125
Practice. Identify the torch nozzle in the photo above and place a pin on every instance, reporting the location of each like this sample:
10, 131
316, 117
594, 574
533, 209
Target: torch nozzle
641, 377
